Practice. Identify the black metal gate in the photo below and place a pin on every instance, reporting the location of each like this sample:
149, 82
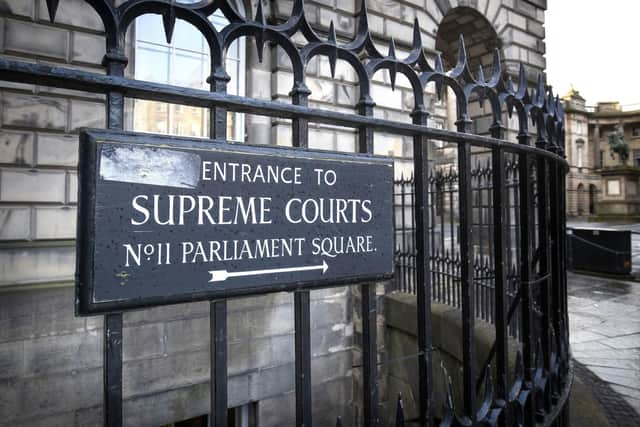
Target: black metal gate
523, 208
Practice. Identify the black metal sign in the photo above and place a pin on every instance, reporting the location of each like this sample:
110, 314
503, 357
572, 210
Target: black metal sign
166, 220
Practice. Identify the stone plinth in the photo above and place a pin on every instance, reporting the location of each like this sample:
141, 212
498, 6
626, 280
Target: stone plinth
620, 198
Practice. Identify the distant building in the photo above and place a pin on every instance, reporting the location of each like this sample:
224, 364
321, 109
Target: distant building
598, 183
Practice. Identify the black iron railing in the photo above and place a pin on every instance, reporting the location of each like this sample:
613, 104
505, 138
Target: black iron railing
513, 266
444, 260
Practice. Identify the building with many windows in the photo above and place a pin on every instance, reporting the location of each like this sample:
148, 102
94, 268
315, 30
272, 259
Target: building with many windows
599, 183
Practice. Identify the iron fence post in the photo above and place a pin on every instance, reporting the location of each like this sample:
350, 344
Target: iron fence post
368, 302
302, 307
423, 270
466, 273
218, 308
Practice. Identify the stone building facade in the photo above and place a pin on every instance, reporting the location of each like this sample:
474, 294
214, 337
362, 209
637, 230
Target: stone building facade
51, 361
598, 184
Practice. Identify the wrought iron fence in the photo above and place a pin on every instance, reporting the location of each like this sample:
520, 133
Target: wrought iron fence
444, 260
486, 239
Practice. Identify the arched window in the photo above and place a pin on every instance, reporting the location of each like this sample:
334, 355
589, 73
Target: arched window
183, 62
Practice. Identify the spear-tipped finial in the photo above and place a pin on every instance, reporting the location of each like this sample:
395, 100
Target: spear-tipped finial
363, 20
52, 7
462, 52
496, 69
417, 37
522, 80
333, 55
260, 34
439, 68
540, 90
169, 22
259, 14
393, 69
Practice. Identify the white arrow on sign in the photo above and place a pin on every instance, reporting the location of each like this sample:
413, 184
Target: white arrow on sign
222, 275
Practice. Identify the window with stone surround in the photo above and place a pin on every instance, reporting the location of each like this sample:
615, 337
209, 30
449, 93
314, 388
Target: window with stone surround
184, 62
580, 153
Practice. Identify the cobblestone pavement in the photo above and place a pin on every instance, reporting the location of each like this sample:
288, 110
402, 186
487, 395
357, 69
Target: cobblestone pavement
604, 316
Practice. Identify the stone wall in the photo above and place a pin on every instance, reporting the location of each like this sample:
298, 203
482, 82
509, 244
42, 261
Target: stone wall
51, 361
402, 342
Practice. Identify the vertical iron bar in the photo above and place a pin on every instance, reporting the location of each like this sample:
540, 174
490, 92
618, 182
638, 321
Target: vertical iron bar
368, 301
218, 309
543, 242
303, 358
466, 274
556, 232
301, 299
423, 273
500, 245
403, 246
115, 63
218, 327
113, 370
526, 304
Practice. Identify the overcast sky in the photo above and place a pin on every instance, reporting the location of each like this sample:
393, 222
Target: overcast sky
594, 45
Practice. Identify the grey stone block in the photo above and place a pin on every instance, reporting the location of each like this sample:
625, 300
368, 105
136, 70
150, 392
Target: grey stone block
16, 147
269, 321
55, 223
59, 354
34, 39
57, 150
331, 366
87, 114
173, 371
271, 351
321, 90
143, 341
271, 381
346, 95
277, 411
17, 7
37, 265
332, 398
167, 313
238, 390
19, 185
89, 416
87, 48
15, 223
34, 111
326, 313
9, 400
59, 393
261, 302
72, 187
187, 334
65, 419
11, 359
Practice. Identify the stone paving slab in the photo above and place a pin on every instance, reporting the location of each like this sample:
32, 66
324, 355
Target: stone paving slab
604, 319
